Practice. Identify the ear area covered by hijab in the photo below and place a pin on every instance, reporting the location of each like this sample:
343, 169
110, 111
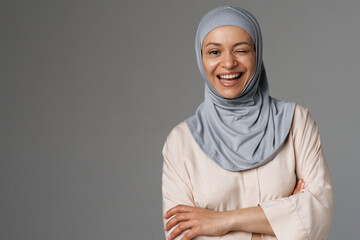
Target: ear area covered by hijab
253, 125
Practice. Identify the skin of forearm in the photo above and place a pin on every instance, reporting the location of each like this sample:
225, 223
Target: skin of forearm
252, 219
256, 236
206, 222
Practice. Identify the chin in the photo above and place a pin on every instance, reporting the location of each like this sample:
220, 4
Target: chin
229, 95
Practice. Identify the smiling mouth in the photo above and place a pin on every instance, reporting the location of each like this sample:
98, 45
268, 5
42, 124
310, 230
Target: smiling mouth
229, 77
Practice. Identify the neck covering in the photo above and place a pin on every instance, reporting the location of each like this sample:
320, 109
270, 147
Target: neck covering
246, 131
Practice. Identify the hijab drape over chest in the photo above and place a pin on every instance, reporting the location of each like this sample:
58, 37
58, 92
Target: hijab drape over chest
247, 131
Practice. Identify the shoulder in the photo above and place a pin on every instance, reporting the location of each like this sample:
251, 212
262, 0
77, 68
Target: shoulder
180, 131
303, 123
302, 115
177, 137
300, 112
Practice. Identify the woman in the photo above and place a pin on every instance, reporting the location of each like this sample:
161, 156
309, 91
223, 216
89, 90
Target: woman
230, 170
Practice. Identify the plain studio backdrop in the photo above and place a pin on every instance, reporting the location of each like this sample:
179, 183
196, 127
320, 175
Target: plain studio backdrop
89, 91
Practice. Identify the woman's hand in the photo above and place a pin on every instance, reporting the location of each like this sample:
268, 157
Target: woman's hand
199, 222
299, 187
205, 222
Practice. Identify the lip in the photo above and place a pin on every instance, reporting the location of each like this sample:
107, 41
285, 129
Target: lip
228, 73
227, 82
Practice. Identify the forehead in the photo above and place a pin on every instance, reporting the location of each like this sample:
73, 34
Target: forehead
225, 34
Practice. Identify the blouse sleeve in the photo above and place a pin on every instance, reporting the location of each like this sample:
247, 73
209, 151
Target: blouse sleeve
306, 215
176, 183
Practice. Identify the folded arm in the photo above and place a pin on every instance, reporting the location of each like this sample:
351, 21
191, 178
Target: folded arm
301, 216
307, 215
204, 222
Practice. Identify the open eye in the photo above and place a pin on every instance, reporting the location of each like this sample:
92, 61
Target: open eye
214, 52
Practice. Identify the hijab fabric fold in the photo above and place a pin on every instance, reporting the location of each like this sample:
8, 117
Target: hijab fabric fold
247, 131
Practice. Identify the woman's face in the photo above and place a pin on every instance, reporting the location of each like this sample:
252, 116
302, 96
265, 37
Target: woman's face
229, 59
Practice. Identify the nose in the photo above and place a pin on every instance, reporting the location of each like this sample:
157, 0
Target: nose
229, 61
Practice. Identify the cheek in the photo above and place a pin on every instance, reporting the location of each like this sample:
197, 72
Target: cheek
251, 65
209, 66
212, 64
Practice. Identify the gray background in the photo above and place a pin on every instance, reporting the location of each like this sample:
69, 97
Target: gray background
89, 91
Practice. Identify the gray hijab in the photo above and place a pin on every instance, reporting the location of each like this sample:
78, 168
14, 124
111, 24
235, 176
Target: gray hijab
247, 131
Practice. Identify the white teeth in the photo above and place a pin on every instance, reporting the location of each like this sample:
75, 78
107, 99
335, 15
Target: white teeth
227, 81
230, 76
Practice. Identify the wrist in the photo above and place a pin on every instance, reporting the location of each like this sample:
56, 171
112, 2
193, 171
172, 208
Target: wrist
237, 220
252, 219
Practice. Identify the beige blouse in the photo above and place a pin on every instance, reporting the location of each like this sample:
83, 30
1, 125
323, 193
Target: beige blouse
191, 178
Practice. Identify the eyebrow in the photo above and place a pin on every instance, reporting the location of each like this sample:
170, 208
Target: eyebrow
218, 44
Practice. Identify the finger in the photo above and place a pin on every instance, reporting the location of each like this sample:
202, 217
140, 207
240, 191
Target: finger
175, 220
177, 209
179, 229
303, 185
191, 234
298, 186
